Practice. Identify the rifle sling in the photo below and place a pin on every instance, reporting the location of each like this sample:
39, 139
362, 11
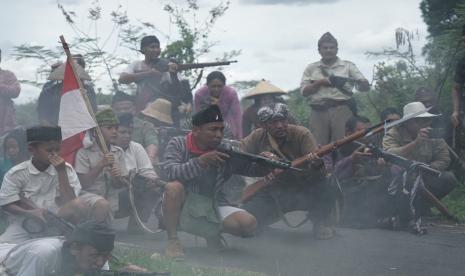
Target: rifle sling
282, 215
274, 145
136, 212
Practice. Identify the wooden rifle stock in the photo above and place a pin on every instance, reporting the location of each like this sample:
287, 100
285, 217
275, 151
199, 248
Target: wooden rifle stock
250, 190
406, 163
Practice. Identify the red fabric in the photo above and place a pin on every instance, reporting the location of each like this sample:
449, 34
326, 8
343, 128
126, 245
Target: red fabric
70, 146
192, 146
69, 80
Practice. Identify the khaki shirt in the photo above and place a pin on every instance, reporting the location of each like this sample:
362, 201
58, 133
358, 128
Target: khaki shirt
41, 187
88, 158
433, 151
299, 142
144, 133
137, 159
341, 68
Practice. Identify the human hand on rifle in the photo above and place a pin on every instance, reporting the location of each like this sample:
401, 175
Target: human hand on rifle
270, 155
360, 153
38, 213
315, 162
323, 82
213, 158
172, 67
57, 162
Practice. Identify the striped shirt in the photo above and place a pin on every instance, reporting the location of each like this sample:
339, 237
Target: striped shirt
183, 166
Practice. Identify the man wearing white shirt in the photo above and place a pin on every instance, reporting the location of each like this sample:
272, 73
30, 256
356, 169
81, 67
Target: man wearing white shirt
147, 193
45, 181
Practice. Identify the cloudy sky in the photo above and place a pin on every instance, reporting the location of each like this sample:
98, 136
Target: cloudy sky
277, 37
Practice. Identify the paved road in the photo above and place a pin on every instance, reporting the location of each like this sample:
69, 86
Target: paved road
282, 251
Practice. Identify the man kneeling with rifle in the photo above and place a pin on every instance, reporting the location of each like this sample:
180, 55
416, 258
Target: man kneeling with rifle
307, 190
414, 141
40, 185
196, 169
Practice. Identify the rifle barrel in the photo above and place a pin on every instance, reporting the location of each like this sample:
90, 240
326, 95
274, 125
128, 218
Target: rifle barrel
252, 189
188, 66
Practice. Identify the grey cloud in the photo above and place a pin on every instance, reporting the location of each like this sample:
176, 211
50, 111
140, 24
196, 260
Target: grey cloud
291, 2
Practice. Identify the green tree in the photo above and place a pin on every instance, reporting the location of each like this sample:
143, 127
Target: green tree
439, 15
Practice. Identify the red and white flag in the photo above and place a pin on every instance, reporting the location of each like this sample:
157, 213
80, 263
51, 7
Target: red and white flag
74, 117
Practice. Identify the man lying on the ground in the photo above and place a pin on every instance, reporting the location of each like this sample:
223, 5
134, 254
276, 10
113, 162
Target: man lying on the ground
86, 250
45, 182
196, 169
291, 191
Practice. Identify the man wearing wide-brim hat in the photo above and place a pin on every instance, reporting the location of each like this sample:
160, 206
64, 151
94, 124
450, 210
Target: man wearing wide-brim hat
263, 94
159, 113
48, 104
414, 140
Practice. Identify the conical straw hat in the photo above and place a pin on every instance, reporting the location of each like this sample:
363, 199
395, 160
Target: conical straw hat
58, 74
263, 88
160, 109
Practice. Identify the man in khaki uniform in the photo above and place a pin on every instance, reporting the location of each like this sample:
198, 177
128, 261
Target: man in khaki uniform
304, 191
412, 141
102, 175
330, 97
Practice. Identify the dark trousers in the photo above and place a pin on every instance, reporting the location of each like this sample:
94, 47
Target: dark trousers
439, 186
268, 205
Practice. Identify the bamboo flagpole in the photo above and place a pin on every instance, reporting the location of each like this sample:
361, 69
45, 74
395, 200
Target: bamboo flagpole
100, 139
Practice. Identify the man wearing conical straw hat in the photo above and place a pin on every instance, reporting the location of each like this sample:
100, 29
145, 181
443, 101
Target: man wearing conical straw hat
263, 94
328, 84
48, 104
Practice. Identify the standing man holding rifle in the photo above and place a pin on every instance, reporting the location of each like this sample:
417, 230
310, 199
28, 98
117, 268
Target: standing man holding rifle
328, 84
157, 78
307, 190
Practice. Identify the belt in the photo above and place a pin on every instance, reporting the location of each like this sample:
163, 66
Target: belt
329, 104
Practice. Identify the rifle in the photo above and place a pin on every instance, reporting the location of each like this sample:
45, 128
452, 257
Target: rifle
406, 163
236, 153
36, 226
252, 189
189, 66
